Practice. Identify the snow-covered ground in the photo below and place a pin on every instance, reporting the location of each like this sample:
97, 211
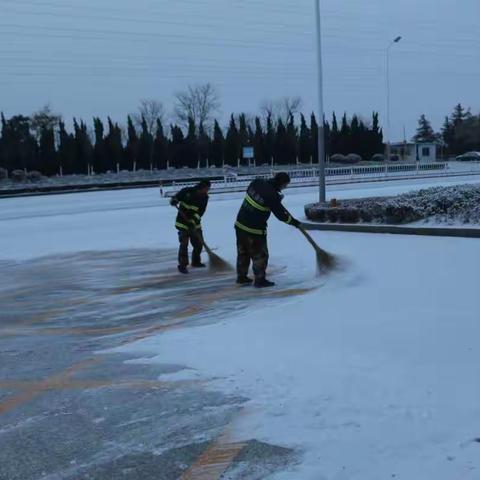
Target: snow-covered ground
373, 375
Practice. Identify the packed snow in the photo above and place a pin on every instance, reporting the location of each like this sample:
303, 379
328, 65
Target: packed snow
371, 375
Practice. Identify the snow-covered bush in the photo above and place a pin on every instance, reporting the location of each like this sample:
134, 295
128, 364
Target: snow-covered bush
460, 203
3, 174
34, 176
18, 176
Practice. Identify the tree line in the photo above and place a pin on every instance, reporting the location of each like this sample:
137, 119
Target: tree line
43, 143
279, 135
460, 132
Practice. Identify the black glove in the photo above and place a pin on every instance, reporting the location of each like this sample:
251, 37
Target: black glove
173, 202
295, 223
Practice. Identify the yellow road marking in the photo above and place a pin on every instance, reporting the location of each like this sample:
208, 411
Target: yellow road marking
39, 387
214, 462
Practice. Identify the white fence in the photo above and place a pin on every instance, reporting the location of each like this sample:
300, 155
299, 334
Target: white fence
309, 177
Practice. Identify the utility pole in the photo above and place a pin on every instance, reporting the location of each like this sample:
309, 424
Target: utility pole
321, 126
390, 45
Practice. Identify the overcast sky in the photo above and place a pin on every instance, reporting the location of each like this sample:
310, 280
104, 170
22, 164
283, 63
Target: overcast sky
100, 57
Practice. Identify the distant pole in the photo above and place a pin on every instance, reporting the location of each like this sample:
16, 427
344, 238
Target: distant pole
321, 128
390, 45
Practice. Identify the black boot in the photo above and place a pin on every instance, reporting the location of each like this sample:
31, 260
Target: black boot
244, 280
182, 269
198, 265
263, 283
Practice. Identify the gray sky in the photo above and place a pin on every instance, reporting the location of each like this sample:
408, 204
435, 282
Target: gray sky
100, 57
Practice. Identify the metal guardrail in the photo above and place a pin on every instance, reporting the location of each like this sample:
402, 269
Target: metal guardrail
309, 177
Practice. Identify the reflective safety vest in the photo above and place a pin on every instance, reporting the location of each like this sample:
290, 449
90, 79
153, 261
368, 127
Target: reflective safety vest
261, 200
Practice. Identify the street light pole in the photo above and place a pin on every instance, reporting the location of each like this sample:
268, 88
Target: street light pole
321, 127
390, 45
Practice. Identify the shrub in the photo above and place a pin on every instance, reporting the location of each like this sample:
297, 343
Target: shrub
3, 174
18, 176
34, 176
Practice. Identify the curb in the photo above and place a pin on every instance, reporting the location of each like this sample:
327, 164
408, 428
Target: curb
395, 230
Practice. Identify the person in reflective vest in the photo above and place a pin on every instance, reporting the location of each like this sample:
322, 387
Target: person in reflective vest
263, 198
191, 203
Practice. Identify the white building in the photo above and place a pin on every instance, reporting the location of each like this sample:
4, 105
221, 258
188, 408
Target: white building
414, 152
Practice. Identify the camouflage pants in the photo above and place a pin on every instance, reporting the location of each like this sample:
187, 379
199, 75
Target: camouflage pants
184, 236
252, 248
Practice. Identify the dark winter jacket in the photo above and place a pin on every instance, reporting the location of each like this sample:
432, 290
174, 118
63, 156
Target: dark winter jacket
192, 206
261, 200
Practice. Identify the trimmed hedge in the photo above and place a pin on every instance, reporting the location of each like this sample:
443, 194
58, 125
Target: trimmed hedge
459, 203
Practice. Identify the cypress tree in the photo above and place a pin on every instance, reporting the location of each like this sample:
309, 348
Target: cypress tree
304, 142
217, 146
281, 144
243, 136
113, 147
314, 138
203, 146
259, 143
291, 140
99, 151
131, 152
269, 140
47, 152
232, 144
67, 154
176, 147
160, 147
145, 147
344, 137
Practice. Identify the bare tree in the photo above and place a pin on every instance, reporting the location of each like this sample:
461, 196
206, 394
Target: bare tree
150, 110
281, 108
199, 102
44, 119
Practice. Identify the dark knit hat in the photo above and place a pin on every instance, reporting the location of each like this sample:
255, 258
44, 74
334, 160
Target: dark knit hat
204, 183
281, 179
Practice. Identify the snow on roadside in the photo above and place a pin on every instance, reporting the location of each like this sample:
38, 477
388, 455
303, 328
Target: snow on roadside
374, 375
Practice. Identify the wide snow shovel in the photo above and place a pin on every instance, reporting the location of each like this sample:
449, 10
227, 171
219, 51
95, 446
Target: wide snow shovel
215, 262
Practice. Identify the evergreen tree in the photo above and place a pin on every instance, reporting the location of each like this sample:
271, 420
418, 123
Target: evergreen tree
83, 147
191, 156
304, 142
425, 131
291, 141
232, 144
4, 159
217, 146
334, 136
314, 138
377, 145
281, 144
344, 137
176, 147
99, 151
203, 146
113, 147
448, 133
131, 152
327, 132
243, 136
20, 145
160, 147
67, 153
145, 147
259, 143
269, 140
47, 152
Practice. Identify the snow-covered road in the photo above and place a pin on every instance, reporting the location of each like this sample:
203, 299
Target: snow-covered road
373, 375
